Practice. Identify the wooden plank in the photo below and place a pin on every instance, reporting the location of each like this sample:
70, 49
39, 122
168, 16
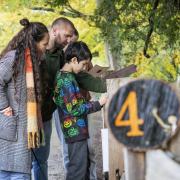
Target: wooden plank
124, 72
115, 148
174, 147
134, 165
100, 71
116, 161
174, 144
161, 167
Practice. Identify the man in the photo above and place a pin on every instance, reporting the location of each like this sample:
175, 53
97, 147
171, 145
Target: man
60, 33
86, 94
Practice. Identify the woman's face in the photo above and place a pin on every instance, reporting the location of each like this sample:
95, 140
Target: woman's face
41, 45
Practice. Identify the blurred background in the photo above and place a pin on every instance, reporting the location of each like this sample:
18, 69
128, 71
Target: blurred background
118, 32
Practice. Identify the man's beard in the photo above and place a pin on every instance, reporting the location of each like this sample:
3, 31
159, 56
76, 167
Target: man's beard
58, 46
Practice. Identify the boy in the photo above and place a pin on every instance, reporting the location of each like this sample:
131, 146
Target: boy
73, 109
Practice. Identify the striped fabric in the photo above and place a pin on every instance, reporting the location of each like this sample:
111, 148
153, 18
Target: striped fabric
14, 156
34, 120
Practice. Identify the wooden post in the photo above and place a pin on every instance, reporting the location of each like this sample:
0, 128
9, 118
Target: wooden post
174, 145
116, 161
133, 162
116, 157
154, 132
134, 165
130, 162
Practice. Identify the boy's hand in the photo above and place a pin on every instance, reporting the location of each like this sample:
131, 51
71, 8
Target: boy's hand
103, 99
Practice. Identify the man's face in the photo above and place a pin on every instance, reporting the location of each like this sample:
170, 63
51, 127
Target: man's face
63, 35
74, 38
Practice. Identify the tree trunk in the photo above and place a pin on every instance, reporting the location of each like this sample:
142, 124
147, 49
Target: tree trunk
111, 56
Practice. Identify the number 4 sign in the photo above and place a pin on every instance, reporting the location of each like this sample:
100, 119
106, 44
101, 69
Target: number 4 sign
133, 121
132, 117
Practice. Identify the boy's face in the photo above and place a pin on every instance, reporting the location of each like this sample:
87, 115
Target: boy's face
78, 67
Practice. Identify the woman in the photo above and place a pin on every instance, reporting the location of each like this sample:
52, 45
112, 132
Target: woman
20, 119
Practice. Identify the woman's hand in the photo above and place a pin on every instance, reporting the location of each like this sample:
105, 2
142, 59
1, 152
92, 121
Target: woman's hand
7, 111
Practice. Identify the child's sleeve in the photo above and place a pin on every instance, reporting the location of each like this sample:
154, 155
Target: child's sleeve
73, 103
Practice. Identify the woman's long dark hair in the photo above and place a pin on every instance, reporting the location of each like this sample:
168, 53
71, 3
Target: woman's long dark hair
32, 33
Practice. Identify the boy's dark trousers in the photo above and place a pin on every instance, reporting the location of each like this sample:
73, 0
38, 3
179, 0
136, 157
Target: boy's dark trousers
78, 161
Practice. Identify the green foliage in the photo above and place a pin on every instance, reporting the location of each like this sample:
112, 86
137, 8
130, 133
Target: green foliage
164, 66
12, 11
126, 26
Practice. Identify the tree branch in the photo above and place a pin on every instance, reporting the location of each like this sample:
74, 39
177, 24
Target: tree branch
71, 12
43, 9
74, 13
151, 24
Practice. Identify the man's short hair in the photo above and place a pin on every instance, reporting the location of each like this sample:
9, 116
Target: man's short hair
76, 33
62, 20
